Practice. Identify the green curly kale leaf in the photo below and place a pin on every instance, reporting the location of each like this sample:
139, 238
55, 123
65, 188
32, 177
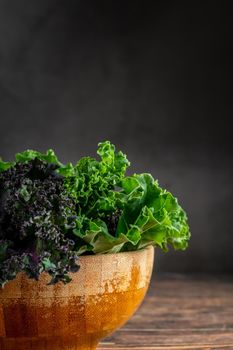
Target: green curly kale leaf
93, 183
151, 215
148, 214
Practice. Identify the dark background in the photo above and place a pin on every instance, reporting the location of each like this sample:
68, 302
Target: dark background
154, 77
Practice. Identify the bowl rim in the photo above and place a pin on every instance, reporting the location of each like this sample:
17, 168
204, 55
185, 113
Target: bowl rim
82, 258
129, 252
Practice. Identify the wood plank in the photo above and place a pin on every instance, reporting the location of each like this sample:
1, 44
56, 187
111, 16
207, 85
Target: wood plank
180, 313
191, 347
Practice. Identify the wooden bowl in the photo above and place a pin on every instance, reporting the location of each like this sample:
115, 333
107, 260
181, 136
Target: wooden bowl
101, 297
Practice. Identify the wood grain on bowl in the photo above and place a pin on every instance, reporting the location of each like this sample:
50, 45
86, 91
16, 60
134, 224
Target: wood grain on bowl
102, 296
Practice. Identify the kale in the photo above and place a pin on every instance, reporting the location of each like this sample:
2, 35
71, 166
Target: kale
52, 213
112, 221
36, 220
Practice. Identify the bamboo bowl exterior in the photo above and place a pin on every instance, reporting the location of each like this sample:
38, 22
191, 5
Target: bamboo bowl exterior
101, 297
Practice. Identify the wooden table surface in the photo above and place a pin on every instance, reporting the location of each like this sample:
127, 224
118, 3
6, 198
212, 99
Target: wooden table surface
180, 313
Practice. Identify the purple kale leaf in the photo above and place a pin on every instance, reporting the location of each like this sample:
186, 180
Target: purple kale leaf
36, 221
